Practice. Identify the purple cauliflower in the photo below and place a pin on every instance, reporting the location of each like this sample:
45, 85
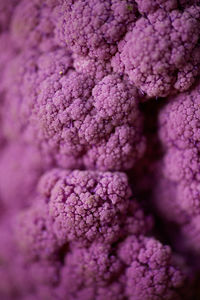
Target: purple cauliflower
179, 133
81, 206
160, 54
93, 27
86, 267
23, 76
178, 180
91, 67
150, 6
135, 268
75, 122
182, 168
35, 233
179, 120
79, 143
98, 271
91, 273
150, 273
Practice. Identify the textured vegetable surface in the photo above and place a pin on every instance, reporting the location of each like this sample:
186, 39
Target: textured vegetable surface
99, 149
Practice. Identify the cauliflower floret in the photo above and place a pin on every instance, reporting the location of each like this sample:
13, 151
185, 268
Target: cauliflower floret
93, 27
161, 53
95, 68
87, 206
179, 120
61, 112
150, 273
82, 207
35, 233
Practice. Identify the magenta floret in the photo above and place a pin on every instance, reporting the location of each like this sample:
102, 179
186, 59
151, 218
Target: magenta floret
74, 78
23, 77
182, 168
151, 274
81, 207
178, 185
149, 6
78, 128
90, 273
89, 206
35, 233
61, 111
161, 53
179, 133
95, 68
93, 266
179, 120
93, 27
